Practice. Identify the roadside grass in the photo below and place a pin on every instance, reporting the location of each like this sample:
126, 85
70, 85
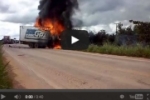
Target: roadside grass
134, 51
5, 81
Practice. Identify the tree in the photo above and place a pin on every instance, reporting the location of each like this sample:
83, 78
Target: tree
143, 30
111, 38
100, 37
124, 31
91, 36
129, 31
121, 30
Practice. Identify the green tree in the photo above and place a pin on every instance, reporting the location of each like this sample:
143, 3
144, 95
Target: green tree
129, 31
143, 30
124, 31
120, 30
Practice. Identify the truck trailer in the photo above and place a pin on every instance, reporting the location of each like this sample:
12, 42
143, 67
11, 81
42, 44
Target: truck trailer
35, 37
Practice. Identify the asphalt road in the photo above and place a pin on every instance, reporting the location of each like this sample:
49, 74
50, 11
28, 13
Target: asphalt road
63, 69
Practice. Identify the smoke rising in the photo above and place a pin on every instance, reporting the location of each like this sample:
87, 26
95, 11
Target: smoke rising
60, 10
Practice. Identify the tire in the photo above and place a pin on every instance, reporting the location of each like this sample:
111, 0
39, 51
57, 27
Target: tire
44, 46
31, 45
36, 45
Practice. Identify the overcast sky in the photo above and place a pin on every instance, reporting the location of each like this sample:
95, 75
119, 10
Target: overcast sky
95, 14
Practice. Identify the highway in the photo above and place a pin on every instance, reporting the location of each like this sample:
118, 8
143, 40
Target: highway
64, 69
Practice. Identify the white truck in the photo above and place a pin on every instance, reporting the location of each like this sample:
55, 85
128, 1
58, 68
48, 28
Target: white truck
34, 37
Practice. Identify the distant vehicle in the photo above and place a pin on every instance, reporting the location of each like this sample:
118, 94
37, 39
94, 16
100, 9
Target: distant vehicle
7, 40
34, 37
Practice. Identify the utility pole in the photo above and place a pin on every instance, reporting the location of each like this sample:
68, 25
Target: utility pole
117, 26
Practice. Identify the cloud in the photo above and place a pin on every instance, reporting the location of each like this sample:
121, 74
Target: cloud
3, 8
7, 28
19, 11
94, 12
11, 29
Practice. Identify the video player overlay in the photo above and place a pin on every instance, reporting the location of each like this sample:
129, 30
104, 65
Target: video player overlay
74, 94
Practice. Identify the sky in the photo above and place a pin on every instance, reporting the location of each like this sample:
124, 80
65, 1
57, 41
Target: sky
94, 14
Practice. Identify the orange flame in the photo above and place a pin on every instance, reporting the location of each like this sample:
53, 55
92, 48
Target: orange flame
55, 28
57, 47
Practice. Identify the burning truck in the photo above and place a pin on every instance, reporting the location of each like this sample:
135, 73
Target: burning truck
35, 37
54, 18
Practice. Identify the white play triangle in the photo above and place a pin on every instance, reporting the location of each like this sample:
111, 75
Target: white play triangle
2, 96
74, 40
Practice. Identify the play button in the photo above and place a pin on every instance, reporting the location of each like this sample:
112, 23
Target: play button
2, 96
74, 40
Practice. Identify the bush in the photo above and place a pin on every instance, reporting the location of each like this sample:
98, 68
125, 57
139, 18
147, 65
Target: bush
135, 51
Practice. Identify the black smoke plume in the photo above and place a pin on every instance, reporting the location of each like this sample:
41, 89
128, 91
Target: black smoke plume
60, 10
